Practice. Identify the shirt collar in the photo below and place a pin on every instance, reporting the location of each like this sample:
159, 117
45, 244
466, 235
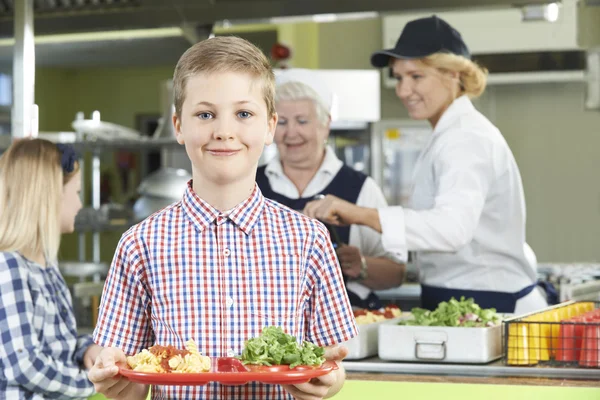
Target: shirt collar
330, 165
460, 106
202, 215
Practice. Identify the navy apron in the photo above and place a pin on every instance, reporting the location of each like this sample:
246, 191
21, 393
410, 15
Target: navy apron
346, 185
503, 302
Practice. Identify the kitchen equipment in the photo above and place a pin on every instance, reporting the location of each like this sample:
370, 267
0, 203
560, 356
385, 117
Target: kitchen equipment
83, 270
109, 215
94, 128
365, 344
159, 189
439, 343
565, 335
395, 149
86, 282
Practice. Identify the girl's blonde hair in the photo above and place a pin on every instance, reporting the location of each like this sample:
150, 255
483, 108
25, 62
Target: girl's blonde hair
473, 77
31, 187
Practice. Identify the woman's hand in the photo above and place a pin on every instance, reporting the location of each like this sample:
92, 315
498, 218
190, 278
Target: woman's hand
332, 210
104, 376
324, 386
335, 211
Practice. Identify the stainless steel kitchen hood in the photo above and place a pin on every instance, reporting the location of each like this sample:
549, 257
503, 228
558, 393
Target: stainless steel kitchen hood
62, 16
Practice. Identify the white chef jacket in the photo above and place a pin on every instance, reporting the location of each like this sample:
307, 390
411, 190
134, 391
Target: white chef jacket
366, 239
466, 214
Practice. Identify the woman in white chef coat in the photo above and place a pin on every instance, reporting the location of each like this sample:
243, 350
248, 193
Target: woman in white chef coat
466, 219
306, 167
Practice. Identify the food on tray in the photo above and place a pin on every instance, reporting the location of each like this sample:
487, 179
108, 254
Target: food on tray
463, 313
364, 316
166, 359
275, 347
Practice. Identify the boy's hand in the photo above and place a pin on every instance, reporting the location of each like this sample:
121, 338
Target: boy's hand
90, 355
103, 373
324, 386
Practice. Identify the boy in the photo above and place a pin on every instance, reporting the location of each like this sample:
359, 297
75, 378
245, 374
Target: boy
224, 262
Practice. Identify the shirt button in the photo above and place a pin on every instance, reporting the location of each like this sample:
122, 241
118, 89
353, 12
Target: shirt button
226, 252
230, 353
229, 302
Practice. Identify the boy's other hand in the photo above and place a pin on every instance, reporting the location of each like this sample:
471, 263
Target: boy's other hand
91, 353
104, 376
324, 386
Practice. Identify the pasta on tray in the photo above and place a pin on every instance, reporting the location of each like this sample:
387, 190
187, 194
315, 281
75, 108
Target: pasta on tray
165, 359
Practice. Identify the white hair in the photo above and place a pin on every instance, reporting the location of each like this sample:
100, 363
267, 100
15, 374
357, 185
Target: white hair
292, 91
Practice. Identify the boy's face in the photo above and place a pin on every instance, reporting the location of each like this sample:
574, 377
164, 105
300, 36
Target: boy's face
224, 126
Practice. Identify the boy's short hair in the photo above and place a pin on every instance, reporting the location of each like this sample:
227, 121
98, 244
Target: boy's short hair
224, 54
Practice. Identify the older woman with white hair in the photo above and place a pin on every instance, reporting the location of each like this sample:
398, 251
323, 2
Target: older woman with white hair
306, 167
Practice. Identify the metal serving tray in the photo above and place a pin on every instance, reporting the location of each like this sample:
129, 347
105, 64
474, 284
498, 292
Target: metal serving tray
364, 344
439, 344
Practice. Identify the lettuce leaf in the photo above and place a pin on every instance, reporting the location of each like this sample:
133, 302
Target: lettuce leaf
463, 313
275, 347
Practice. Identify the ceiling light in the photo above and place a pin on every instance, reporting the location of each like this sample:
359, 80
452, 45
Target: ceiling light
541, 12
324, 17
101, 36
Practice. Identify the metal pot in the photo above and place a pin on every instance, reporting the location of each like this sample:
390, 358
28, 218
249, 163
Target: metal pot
159, 189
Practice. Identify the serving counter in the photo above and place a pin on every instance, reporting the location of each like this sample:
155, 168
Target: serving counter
375, 378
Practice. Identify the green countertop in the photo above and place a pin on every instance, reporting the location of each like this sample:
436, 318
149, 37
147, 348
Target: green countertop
360, 390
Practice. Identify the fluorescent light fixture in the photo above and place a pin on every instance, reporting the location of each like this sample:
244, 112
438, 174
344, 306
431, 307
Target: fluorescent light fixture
541, 12
102, 36
319, 18
552, 11
324, 17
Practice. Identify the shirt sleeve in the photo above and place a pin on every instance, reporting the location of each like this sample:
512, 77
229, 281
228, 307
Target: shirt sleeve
330, 317
463, 174
24, 362
83, 342
125, 307
370, 242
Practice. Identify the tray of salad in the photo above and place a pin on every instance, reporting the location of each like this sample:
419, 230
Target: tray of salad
274, 357
455, 332
368, 321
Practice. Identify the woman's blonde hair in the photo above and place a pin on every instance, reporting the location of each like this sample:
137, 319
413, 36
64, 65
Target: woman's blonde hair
472, 76
31, 187
293, 91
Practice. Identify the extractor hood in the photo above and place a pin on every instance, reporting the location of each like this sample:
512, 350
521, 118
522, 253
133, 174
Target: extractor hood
61, 16
517, 50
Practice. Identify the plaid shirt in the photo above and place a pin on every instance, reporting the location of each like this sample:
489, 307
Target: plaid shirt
40, 354
192, 272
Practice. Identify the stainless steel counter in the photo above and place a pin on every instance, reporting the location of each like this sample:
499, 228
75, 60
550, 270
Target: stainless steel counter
494, 369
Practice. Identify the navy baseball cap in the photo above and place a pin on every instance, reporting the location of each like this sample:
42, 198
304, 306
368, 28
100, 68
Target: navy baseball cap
423, 37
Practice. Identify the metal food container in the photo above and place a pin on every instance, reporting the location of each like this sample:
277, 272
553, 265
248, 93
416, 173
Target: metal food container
439, 343
365, 343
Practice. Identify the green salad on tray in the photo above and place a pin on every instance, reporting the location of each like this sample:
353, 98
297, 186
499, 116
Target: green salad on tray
463, 313
275, 347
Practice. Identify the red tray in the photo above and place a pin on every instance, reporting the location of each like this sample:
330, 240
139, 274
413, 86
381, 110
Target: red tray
231, 371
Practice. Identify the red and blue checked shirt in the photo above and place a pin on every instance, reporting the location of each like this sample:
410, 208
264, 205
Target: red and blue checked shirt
192, 272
